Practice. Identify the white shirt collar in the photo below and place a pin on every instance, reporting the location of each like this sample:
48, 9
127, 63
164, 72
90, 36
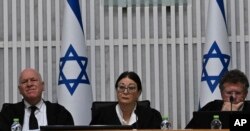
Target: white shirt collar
38, 105
40, 114
133, 117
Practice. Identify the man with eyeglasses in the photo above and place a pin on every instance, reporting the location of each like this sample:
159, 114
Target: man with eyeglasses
33, 111
234, 89
127, 111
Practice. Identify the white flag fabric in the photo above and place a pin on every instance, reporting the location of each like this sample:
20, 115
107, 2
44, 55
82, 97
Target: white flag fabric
216, 55
74, 91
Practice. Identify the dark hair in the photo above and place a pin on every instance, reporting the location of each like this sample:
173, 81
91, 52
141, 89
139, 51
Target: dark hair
131, 75
234, 76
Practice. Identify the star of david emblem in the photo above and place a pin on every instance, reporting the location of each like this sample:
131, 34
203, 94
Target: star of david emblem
72, 83
214, 53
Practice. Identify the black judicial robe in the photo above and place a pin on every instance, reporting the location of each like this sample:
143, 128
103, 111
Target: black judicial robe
147, 118
56, 114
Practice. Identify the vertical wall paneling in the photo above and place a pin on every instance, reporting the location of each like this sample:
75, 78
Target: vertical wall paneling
206, 4
120, 38
23, 34
138, 41
248, 32
14, 49
233, 34
225, 7
130, 39
92, 47
111, 51
147, 53
242, 36
198, 42
155, 87
190, 65
165, 87
40, 36
57, 39
173, 64
102, 51
49, 50
32, 33
182, 68
84, 14
6, 51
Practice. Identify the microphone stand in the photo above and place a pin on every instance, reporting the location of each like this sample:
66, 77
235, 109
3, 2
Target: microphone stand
231, 101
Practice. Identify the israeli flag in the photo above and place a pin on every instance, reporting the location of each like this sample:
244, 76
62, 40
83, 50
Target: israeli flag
216, 57
74, 91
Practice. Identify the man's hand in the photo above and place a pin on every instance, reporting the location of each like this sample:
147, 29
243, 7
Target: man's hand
235, 107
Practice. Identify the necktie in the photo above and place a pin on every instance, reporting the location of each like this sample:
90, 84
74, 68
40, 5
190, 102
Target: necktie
33, 121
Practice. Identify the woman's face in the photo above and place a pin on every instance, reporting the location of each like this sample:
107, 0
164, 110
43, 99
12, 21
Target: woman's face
127, 91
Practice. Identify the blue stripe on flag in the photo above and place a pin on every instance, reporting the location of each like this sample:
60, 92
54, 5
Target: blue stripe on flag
216, 54
221, 6
74, 4
74, 91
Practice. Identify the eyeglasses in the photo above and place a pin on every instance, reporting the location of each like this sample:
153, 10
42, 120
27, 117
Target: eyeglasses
129, 88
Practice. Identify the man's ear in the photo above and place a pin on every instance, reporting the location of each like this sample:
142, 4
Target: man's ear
19, 88
43, 85
246, 94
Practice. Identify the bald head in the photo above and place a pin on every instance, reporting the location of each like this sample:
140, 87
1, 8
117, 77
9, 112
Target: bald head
29, 70
31, 85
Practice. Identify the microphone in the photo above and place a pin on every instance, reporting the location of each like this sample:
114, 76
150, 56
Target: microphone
231, 101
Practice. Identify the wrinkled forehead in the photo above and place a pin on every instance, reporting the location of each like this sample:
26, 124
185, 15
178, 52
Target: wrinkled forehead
234, 86
29, 74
